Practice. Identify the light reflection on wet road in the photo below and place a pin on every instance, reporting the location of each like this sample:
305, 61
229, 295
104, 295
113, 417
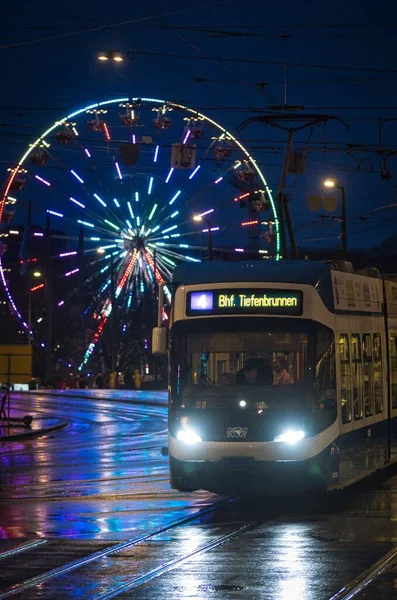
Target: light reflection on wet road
104, 479
103, 476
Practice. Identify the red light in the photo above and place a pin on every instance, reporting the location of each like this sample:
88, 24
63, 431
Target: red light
249, 223
242, 197
37, 287
106, 130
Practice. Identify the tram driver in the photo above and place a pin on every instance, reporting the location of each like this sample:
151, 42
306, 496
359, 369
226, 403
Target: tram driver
255, 372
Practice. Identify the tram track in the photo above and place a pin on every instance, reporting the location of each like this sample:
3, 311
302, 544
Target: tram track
46, 576
367, 577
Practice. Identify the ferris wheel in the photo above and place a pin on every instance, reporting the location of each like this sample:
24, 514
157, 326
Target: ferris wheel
105, 200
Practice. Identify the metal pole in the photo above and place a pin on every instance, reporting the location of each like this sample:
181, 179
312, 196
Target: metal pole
30, 318
210, 254
343, 221
280, 196
155, 289
113, 319
82, 282
49, 298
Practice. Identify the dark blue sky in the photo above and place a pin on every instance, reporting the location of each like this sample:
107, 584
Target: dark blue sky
43, 81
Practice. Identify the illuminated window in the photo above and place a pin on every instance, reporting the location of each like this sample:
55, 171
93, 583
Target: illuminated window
368, 375
357, 376
378, 379
393, 367
345, 378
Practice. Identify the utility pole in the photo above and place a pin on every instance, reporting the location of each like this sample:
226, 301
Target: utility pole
113, 316
283, 121
82, 282
210, 251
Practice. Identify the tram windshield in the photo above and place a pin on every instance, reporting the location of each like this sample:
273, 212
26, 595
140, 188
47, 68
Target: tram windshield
217, 359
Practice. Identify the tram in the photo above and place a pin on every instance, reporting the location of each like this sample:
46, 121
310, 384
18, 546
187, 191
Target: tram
282, 374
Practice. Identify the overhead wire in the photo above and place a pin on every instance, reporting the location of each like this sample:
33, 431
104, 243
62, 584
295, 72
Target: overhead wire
113, 25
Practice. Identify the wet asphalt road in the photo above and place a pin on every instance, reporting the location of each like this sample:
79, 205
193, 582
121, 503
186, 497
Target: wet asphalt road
103, 479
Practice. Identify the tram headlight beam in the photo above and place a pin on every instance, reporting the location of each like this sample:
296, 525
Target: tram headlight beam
291, 437
188, 436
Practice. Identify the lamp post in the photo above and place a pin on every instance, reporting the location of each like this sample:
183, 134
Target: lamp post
330, 183
199, 218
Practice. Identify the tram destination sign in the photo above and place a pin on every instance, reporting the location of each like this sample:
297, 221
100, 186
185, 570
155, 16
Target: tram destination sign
245, 301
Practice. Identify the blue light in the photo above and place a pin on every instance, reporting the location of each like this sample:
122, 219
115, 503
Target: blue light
150, 186
100, 200
116, 164
156, 153
169, 175
77, 176
169, 229
56, 214
116, 202
77, 202
137, 197
194, 172
174, 214
179, 192
201, 301
192, 259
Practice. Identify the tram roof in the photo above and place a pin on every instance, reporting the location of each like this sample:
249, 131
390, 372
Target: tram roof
283, 271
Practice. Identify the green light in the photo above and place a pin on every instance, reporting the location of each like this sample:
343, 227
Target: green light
112, 225
152, 213
167, 260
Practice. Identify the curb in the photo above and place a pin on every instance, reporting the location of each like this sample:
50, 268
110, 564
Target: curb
34, 433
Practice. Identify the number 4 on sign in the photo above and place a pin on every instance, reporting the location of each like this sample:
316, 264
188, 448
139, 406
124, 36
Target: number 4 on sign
202, 303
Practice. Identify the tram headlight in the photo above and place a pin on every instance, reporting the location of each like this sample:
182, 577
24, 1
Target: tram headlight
290, 437
188, 436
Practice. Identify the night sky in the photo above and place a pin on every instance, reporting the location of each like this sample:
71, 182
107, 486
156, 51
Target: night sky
211, 56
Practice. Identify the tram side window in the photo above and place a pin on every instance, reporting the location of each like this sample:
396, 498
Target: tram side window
393, 367
378, 379
368, 375
345, 378
357, 376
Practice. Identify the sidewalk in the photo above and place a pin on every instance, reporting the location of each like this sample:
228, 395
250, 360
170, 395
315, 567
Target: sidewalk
39, 426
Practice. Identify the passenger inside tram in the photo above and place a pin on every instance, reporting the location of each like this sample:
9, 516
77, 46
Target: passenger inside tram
281, 375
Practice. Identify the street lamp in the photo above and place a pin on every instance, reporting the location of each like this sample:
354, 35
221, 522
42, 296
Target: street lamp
331, 183
199, 218
116, 56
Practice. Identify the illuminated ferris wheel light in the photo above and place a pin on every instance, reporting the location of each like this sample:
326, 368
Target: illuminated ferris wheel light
146, 248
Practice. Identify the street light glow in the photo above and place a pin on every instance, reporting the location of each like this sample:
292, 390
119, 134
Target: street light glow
118, 58
103, 57
37, 274
197, 218
329, 183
